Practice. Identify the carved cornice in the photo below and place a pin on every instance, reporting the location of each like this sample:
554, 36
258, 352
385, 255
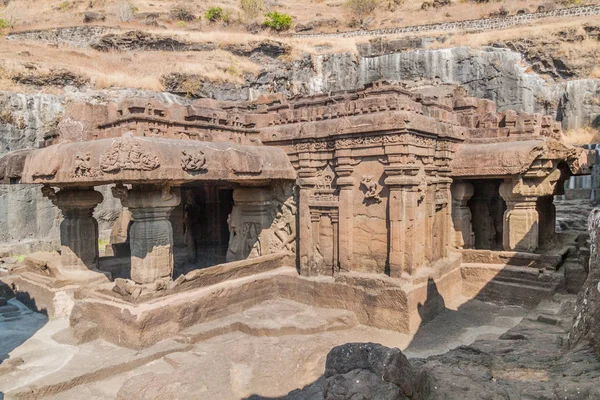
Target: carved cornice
317, 145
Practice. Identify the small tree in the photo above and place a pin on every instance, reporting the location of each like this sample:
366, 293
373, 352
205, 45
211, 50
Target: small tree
215, 14
362, 8
278, 22
252, 8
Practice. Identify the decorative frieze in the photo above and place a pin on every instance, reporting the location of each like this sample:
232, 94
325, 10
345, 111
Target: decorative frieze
315, 145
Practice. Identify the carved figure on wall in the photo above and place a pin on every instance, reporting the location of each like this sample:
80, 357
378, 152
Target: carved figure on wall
48, 192
422, 188
120, 191
284, 227
325, 178
193, 162
253, 247
372, 188
126, 153
83, 168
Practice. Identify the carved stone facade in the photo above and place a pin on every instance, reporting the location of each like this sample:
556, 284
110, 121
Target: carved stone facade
378, 193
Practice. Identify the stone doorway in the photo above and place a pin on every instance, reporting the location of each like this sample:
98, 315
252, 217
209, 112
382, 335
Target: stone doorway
200, 228
487, 210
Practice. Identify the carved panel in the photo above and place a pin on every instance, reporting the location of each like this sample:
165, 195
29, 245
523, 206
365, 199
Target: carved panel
193, 162
83, 167
372, 188
126, 153
325, 178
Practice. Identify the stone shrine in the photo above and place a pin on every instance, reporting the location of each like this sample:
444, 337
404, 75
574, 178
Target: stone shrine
381, 201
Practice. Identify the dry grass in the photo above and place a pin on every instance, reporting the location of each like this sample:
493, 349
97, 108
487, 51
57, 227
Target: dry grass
545, 30
581, 136
141, 70
138, 69
33, 14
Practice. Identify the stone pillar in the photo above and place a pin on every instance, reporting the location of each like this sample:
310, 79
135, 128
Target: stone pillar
346, 184
79, 229
462, 192
520, 228
151, 234
335, 232
521, 219
248, 222
403, 213
306, 246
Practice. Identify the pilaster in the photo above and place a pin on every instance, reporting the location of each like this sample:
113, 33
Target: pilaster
346, 184
462, 192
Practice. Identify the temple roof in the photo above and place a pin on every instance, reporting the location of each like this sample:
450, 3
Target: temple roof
515, 157
131, 159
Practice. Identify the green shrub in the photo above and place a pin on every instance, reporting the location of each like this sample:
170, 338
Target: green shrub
4, 24
278, 21
215, 14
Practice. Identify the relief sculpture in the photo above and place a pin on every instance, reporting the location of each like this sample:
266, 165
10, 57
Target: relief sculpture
372, 188
193, 162
126, 153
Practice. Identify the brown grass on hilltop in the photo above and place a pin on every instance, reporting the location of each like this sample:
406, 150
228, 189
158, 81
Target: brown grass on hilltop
141, 70
33, 14
581, 136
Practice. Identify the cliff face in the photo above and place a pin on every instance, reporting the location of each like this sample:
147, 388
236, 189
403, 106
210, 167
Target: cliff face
587, 315
501, 75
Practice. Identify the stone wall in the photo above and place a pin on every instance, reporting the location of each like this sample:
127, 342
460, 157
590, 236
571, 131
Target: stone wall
483, 24
77, 36
587, 320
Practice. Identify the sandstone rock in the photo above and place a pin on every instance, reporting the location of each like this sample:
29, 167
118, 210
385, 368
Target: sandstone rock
360, 384
586, 325
93, 16
56, 77
5, 291
385, 371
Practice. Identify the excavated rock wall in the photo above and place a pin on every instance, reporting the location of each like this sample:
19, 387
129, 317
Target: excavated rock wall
586, 325
501, 75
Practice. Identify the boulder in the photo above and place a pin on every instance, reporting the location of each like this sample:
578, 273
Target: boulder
93, 16
354, 370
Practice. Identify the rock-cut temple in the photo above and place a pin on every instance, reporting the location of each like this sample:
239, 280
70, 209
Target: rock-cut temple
381, 201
